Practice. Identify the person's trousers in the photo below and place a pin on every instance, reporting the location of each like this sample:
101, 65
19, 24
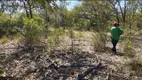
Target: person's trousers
114, 43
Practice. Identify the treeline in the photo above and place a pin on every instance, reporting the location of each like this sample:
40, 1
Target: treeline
33, 15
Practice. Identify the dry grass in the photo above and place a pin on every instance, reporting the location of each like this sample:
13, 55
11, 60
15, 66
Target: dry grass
4, 39
136, 65
128, 48
99, 41
114, 62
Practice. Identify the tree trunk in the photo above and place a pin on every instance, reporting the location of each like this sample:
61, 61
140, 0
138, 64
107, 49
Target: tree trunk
123, 12
25, 8
113, 4
30, 9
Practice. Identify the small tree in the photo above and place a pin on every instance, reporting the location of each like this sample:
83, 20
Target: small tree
31, 31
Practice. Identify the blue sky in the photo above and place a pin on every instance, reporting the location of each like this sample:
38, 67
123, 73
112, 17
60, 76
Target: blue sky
72, 4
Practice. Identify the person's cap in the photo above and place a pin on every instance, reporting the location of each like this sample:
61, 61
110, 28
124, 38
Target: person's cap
115, 23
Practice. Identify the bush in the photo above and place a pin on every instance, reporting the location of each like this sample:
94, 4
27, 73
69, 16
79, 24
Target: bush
7, 25
99, 41
136, 65
31, 31
128, 48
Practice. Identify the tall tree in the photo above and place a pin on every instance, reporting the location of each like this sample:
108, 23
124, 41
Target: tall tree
123, 10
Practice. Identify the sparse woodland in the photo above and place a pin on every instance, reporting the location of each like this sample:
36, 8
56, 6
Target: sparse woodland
43, 40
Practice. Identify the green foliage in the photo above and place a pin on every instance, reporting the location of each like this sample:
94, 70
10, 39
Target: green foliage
32, 31
7, 25
128, 48
99, 41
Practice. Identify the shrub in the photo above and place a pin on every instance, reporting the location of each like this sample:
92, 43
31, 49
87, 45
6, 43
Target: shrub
7, 25
31, 31
128, 48
99, 41
136, 65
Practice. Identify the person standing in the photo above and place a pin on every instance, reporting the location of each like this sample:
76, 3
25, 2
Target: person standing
115, 31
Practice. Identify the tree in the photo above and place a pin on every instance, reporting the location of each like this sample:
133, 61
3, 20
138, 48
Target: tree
10, 7
97, 13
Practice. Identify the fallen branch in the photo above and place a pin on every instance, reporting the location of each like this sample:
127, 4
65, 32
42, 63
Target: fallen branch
54, 65
77, 65
82, 75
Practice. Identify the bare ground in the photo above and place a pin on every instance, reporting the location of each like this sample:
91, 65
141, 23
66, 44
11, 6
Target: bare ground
35, 64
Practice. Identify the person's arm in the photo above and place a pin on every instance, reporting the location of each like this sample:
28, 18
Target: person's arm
121, 31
